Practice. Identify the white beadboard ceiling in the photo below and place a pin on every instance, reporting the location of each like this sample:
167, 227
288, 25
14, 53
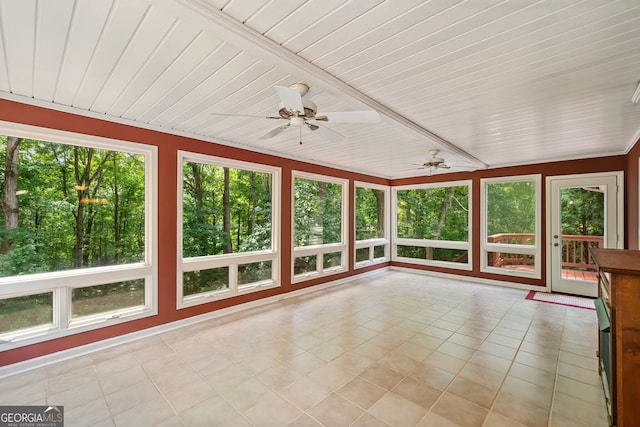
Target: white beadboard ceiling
490, 83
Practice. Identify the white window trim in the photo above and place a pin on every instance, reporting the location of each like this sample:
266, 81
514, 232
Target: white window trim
61, 282
320, 250
438, 244
232, 261
381, 241
535, 250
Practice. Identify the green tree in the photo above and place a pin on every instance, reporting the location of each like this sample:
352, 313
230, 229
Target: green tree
78, 208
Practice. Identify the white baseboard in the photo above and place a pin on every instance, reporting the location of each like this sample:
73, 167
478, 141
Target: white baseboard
471, 279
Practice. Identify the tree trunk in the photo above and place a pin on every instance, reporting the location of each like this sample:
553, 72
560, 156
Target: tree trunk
317, 231
198, 192
446, 205
380, 212
116, 212
84, 180
254, 203
227, 247
10, 202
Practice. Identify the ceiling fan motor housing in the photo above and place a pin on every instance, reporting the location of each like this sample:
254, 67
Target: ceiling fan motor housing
310, 110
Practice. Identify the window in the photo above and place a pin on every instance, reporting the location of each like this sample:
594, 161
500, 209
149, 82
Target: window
432, 224
372, 206
77, 235
319, 226
227, 228
511, 225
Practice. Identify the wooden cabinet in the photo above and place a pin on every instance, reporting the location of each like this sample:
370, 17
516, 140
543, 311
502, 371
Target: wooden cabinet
619, 344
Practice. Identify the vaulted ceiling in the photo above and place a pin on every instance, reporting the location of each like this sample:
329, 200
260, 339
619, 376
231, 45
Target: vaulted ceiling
490, 83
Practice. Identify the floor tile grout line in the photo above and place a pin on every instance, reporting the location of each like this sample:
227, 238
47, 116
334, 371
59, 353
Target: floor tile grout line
510, 368
454, 312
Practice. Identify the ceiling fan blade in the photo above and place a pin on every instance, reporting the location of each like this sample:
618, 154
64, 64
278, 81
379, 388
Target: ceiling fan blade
329, 134
461, 166
350, 117
275, 131
243, 115
290, 98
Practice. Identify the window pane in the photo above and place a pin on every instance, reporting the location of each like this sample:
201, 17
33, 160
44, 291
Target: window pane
362, 254
225, 210
304, 264
318, 212
333, 259
26, 311
104, 298
434, 254
378, 251
417, 252
254, 272
511, 261
511, 212
440, 213
70, 207
196, 282
448, 255
369, 213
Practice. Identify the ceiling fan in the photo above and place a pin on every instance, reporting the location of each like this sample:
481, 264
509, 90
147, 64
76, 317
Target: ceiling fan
300, 113
435, 163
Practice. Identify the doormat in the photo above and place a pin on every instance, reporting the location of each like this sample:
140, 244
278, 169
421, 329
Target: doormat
562, 299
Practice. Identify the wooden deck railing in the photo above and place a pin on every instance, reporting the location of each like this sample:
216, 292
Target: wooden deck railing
575, 250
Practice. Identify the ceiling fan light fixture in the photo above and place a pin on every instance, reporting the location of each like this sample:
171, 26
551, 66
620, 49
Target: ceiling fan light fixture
635, 98
297, 121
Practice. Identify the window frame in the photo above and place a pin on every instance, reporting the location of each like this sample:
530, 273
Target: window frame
436, 244
232, 261
62, 282
320, 250
535, 249
379, 241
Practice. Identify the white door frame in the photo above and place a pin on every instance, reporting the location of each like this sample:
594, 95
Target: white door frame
618, 233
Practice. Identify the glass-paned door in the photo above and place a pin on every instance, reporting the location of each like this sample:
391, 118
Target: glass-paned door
584, 215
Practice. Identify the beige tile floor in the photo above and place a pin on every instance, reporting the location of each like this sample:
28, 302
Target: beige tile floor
394, 349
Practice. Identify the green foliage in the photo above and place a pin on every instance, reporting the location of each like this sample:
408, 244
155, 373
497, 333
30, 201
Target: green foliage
203, 210
369, 213
511, 207
317, 212
26, 311
103, 298
437, 254
199, 281
254, 272
78, 207
583, 211
439, 213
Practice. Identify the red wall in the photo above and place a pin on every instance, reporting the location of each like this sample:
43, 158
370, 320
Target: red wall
601, 164
168, 146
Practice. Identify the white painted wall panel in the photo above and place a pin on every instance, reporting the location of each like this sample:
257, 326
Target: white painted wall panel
54, 20
150, 33
89, 19
179, 80
301, 19
335, 19
122, 24
18, 32
545, 80
177, 40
